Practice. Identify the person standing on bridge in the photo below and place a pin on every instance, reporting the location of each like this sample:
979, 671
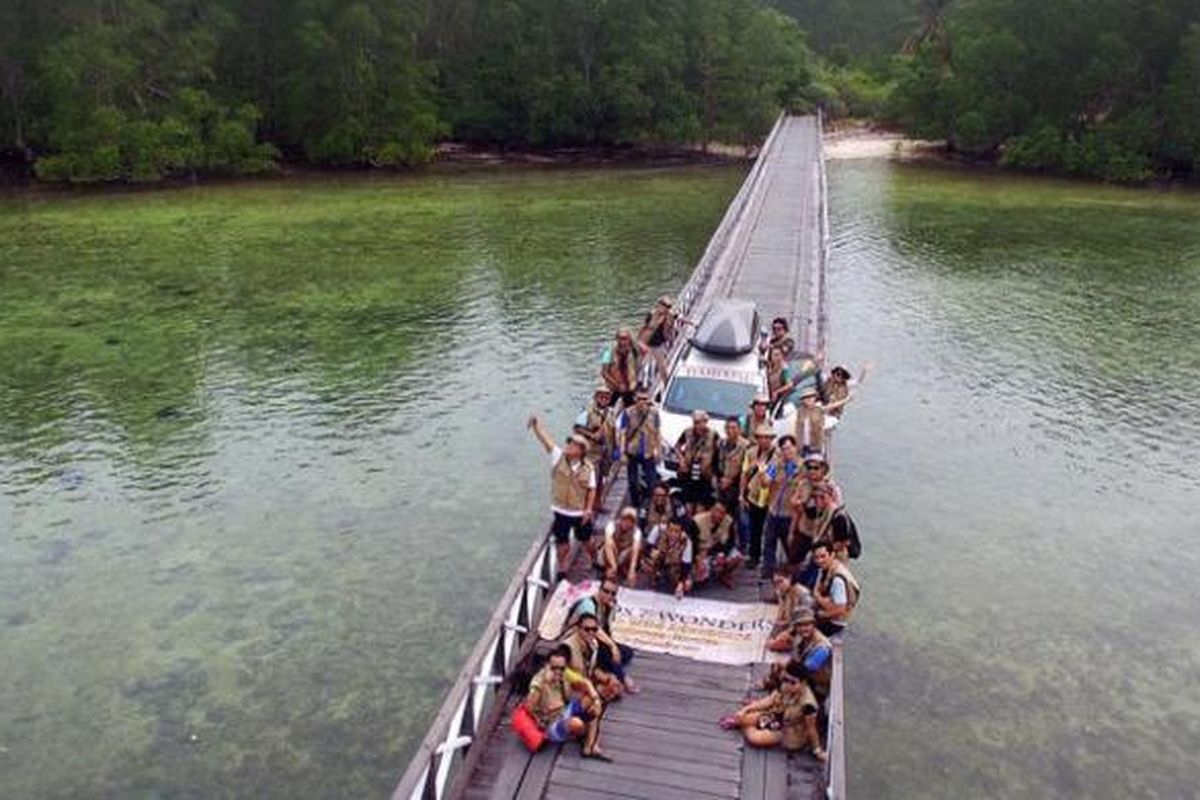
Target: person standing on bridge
659, 328
621, 366
810, 423
596, 423
572, 492
779, 377
730, 454
781, 477
697, 447
781, 338
640, 442
839, 388
754, 499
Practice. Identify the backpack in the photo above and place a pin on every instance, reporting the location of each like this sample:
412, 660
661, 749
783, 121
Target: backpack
855, 547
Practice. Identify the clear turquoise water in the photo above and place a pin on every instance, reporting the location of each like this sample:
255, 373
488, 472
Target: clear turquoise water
263, 471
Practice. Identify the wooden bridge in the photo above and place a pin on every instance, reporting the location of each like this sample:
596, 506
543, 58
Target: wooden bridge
770, 247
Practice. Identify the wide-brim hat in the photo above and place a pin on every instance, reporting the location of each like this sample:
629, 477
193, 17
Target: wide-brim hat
802, 615
808, 391
579, 440
761, 397
602, 388
764, 430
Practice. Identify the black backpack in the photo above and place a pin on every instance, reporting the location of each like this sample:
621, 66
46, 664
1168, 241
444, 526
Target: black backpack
843, 520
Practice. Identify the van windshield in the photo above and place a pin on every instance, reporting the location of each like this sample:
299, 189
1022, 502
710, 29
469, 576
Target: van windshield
719, 398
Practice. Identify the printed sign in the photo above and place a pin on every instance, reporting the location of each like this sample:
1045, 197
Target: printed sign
703, 630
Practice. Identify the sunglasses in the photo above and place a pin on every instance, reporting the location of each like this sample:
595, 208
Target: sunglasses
813, 466
590, 629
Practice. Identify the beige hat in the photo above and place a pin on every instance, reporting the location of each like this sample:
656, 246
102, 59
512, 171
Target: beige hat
761, 397
602, 387
578, 439
700, 414
808, 391
666, 300
628, 511
764, 430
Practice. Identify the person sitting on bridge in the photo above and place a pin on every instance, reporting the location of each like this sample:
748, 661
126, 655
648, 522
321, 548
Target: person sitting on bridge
779, 377
781, 338
836, 591
621, 364
838, 389
565, 704
670, 561
810, 648
697, 447
584, 641
611, 656
659, 509
786, 716
621, 551
639, 440
597, 424
716, 552
572, 492
790, 597
810, 423
659, 326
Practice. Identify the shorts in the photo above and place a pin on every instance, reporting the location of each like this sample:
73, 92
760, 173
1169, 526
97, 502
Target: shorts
563, 525
559, 730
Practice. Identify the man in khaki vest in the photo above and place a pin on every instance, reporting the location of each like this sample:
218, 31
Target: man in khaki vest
572, 492
717, 555
596, 423
697, 447
640, 443
835, 593
621, 365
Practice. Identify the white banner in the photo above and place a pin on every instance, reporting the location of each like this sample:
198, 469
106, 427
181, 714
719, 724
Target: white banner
703, 630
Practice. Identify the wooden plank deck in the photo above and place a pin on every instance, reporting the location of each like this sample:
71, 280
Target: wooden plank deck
665, 740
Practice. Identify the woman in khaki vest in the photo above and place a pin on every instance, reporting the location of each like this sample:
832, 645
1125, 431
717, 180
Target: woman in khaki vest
786, 716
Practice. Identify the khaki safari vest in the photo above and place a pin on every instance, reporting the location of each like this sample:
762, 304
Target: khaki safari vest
569, 488
825, 580
698, 449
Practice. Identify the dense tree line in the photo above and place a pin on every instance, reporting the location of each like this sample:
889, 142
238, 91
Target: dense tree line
1098, 88
135, 90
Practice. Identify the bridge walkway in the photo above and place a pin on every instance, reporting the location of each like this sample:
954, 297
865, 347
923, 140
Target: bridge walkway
768, 248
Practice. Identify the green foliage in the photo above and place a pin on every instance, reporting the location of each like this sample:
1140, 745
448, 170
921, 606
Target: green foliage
1099, 89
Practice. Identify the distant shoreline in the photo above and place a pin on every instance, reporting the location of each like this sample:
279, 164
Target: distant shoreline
17, 178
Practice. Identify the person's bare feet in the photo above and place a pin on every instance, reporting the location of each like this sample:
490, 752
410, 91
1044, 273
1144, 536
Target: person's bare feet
630, 686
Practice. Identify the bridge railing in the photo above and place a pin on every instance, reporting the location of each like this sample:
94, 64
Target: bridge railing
835, 738
474, 694
696, 293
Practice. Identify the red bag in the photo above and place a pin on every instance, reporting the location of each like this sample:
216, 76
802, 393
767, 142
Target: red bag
527, 728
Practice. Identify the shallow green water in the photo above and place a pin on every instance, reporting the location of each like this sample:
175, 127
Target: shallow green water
237, 428
263, 462
1024, 467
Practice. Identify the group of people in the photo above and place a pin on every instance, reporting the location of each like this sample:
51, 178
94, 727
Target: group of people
746, 500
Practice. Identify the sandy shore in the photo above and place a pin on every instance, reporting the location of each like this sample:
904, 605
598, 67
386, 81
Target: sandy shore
862, 142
